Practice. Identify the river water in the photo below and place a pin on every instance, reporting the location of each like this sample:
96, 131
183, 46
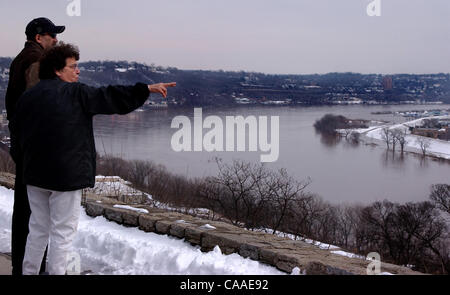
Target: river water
340, 172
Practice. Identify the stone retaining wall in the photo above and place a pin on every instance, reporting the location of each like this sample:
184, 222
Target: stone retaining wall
283, 253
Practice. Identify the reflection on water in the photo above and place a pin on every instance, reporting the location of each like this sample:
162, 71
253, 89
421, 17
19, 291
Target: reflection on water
391, 159
329, 140
341, 170
332, 140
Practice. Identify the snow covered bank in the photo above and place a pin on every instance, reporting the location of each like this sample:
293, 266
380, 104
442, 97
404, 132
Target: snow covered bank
108, 248
437, 147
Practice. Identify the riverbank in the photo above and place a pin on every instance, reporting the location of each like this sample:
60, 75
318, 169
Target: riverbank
437, 148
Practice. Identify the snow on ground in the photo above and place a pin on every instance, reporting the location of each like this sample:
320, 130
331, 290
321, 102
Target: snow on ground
439, 148
351, 255
112, 186
140, 210
109, 248
6, 209
115, 186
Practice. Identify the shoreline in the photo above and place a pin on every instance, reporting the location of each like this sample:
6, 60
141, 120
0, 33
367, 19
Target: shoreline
438, 149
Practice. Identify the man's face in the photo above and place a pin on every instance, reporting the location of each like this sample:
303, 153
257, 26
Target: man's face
70, 72
47, 40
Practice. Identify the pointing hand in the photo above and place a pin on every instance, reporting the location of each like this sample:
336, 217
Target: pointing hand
161, 88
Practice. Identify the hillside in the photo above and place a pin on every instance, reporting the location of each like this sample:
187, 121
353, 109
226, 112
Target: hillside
218, 88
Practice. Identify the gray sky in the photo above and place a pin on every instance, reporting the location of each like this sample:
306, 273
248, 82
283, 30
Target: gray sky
270, 36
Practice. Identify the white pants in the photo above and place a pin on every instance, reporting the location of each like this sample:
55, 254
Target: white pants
54, 217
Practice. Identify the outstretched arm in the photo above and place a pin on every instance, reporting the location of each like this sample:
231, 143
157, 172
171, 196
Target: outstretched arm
116, 99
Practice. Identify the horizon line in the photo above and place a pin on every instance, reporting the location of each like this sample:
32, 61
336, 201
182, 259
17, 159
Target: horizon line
264, 73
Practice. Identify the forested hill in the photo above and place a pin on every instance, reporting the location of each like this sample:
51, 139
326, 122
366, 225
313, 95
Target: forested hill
201, 88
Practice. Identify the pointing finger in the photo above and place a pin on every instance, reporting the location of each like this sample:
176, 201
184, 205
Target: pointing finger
171, 84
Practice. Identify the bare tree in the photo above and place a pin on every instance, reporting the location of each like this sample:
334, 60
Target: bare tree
347, 132
327, 224
252, 195
237, 190
348, 220
424, 144
413, 233
355, 137
376, 224
139, 172
387, 136
399, 136
158, 183
425, 230
440, 195
112, 166
393, 139
305, 211
283, 193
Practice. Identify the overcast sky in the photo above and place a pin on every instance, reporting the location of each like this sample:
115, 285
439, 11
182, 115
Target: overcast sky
270, 36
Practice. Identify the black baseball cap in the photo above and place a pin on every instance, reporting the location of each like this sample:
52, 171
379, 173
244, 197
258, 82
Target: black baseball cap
42, 25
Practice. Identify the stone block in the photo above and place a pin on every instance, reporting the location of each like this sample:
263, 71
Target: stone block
179, 229
249, 250
163, 226
269, 256
114, 214
95, 209
228, 243
131, 218
286, 260
194, 235
318, 268
147, 222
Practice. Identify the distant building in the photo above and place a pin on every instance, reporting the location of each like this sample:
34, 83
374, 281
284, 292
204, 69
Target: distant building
435, 133
387, 83
444, 134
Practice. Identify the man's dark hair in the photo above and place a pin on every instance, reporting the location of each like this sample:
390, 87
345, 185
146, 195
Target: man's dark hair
54, 59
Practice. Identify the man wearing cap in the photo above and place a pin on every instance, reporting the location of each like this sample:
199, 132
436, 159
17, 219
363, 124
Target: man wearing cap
24, 72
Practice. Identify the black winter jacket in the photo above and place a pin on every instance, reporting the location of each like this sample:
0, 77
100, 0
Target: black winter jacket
19, 76
54, 130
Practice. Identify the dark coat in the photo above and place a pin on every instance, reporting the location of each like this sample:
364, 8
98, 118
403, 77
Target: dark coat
54, 129
22, 75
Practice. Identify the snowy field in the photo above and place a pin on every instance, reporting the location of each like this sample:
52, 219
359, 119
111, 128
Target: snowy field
439, 148
108, 248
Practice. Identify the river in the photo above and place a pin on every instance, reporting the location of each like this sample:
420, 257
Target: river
340, 172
